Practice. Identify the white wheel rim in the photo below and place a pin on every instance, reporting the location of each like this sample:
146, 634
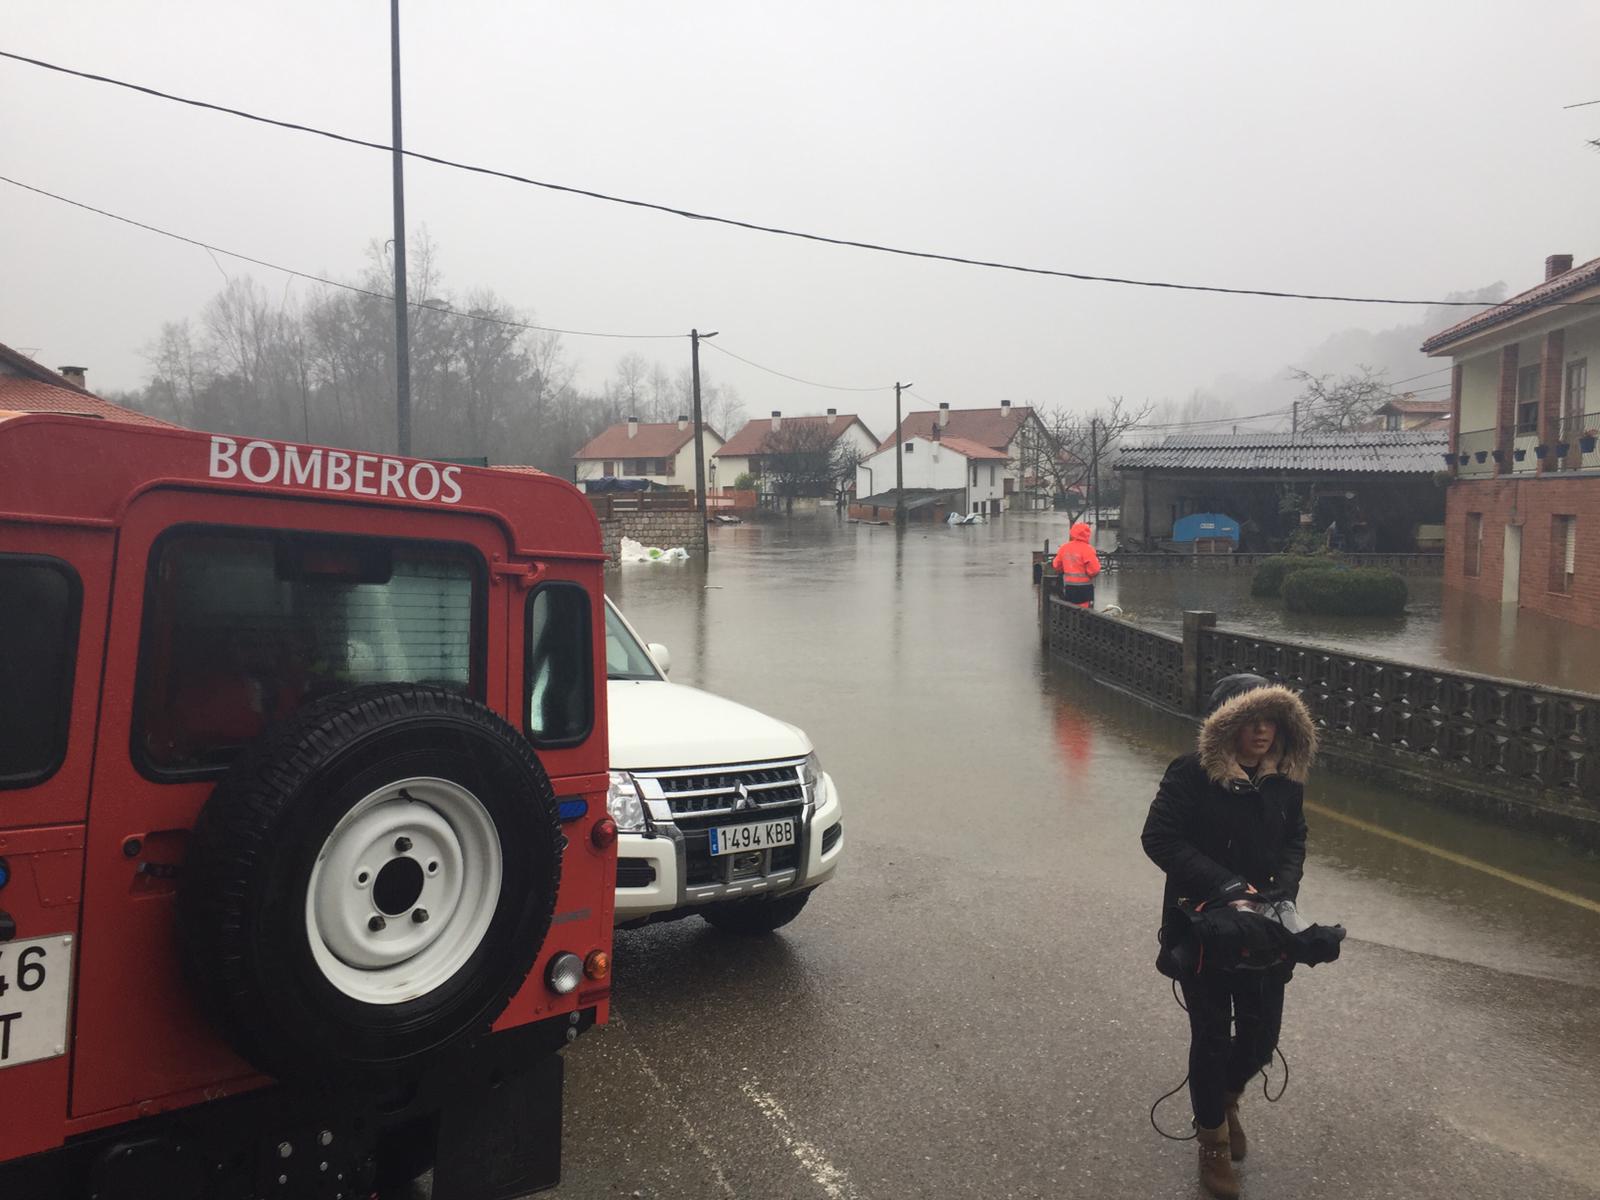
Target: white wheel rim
404, 890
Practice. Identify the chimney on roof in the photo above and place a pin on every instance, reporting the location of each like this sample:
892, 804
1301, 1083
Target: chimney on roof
74, 375
683, 422
1004, 404
633, 426
1556, 264
777, 420
832, 413
944, 416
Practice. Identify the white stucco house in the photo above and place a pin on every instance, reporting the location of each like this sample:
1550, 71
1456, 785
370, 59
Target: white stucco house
662, 452
742, 453
1007, 429
934, 463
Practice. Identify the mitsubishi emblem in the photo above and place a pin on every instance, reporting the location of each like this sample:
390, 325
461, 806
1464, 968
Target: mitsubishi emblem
743, 800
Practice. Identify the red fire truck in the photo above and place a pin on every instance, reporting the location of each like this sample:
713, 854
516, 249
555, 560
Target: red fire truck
305, 869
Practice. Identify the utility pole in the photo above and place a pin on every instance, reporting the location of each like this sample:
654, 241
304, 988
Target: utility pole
899, 462
699, 438
1094, 474
402, 339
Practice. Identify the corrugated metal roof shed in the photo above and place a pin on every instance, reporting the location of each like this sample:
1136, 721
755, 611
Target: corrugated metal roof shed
1367, 452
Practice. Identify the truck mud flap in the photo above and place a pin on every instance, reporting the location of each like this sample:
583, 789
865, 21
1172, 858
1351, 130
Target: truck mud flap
501, 1139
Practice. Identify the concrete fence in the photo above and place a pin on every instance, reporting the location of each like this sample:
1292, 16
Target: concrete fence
1529, 755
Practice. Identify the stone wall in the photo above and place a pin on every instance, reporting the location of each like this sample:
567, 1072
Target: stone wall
664, 529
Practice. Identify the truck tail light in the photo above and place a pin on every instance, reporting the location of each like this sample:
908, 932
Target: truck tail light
598, 965
604, 833
565, 973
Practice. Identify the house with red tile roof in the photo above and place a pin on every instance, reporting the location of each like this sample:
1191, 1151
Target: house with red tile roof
1408, 412
1007, 429
1522, 510
29, 386
970, 475
661, 452
745, 452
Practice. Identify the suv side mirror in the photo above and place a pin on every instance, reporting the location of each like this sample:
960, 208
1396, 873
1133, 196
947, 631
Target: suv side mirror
662, 656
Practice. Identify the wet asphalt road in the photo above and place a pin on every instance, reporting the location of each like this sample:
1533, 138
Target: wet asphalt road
970, 1007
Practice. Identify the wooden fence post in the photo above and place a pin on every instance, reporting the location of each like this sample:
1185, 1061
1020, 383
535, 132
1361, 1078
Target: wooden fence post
1194, 621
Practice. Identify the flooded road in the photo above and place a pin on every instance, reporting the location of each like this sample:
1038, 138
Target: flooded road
970, 1007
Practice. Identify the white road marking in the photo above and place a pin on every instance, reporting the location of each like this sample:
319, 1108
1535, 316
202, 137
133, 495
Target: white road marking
694, 1134
830, 1178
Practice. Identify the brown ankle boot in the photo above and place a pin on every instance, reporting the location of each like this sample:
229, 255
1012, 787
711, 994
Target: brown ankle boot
1216, 1168
1236, 1140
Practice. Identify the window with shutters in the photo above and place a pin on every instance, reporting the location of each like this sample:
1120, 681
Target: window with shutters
1563, 551
1472, 550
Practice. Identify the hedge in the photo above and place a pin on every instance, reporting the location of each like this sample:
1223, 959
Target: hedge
1271, 572
1333, 591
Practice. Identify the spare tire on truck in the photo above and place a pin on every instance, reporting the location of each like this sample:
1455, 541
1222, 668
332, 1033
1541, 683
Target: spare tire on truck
370, 884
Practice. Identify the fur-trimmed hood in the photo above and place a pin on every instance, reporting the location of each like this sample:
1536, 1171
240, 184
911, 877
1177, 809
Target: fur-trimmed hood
1291, 753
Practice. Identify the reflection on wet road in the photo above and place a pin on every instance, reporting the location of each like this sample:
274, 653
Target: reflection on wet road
970, 1007
1442, 627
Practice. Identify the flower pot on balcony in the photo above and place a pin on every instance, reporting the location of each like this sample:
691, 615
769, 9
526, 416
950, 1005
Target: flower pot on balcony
1498, 455
1519, 455
1588, 441
1562, 448
1482, 456
1464, 459
1448, 457
1540, 451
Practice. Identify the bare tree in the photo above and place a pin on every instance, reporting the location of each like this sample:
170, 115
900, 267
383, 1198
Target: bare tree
806, 458
1334, 404
1058, 455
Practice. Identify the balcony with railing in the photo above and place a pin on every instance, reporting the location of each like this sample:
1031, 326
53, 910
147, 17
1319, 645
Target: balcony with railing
1576, 448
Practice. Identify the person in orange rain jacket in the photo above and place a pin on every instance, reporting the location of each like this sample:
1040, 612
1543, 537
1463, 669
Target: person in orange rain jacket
1078, 564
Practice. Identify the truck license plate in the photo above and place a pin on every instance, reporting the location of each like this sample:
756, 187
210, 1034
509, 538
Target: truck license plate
758, 835
35, 980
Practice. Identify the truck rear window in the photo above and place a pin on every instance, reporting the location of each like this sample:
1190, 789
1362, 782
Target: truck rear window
39, 602
241, 628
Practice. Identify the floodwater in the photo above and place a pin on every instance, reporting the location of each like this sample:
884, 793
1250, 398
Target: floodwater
1442, 627
969, 1007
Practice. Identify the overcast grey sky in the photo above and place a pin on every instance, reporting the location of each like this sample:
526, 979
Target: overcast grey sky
1378, 148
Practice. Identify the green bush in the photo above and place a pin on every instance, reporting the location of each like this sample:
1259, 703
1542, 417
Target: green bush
1271, 572
745, 483
1334, 591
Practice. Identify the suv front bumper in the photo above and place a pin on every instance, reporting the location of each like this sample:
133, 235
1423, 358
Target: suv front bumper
652, 879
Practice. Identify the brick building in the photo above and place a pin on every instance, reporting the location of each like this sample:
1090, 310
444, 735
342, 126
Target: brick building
1523, 507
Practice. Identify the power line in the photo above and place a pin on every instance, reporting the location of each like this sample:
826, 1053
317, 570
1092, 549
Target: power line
832, 387
1424, 375
692, 215
1279, 412
1580, 104
322, 279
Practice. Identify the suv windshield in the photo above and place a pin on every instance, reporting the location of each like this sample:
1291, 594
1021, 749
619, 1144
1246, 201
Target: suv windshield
625, 657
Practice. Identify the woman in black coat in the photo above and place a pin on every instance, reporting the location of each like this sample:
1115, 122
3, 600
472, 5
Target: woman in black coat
1228, 822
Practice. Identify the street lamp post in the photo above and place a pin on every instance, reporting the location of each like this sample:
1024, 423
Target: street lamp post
695, 338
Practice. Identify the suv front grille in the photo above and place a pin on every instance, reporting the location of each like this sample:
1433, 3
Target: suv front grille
718, 791
700, 797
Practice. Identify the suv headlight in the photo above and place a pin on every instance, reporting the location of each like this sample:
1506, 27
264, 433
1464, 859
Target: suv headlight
811, 774
623, 803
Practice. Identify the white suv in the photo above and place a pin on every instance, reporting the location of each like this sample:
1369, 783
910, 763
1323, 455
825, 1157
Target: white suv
722, 811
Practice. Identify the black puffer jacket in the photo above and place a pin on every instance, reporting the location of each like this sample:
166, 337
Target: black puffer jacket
1212, 828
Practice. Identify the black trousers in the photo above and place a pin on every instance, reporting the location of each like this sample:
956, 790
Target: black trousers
1234, 1020
1081, 594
